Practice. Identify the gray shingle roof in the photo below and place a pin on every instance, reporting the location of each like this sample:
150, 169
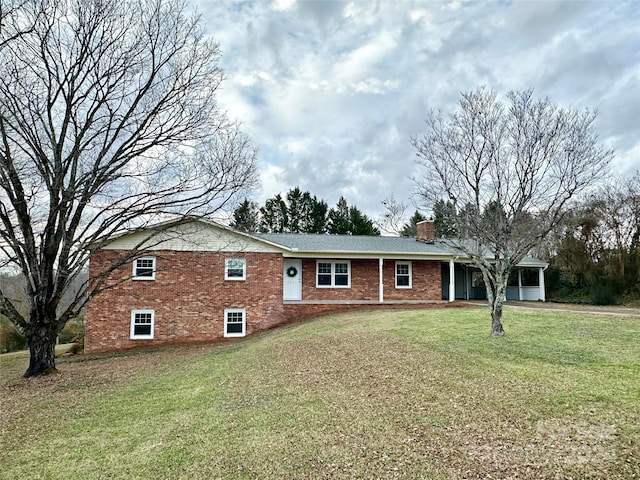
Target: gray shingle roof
355, 244
369, 245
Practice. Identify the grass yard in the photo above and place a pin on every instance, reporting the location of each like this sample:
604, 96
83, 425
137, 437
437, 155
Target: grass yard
384, 394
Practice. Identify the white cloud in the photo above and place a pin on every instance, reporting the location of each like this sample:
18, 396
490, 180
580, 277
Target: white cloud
271, 181
283, 5
375, 85
359, 62
331, 91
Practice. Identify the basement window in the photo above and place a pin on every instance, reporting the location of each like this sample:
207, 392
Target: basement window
142, 322
235, 322
144, 268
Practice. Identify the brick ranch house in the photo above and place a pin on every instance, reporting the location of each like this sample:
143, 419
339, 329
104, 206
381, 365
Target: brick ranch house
201, 281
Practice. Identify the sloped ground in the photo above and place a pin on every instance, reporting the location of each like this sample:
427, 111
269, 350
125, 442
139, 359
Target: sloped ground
568, 307
395, 394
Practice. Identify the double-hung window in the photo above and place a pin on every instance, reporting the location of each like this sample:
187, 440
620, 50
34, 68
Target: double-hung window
235, 269
144, 268
403, 274
142, 322
333, 273
235, 322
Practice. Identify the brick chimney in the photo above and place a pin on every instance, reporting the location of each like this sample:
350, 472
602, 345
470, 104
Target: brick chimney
426, 231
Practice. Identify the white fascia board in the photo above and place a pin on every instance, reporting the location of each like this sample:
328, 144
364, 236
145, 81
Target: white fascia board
533, 264
367, 255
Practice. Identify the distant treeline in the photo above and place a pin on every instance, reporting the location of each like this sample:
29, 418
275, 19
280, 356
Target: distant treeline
594, 255
302, 212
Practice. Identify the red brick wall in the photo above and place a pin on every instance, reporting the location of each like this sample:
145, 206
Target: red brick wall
426, 282
188, 296
364, 282
426, 231
426, 278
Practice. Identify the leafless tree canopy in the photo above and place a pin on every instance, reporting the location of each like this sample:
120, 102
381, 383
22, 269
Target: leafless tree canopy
616, 208
393, 218
510, 170
108, 120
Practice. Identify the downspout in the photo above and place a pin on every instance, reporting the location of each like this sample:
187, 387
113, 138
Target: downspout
381, 280
452, 280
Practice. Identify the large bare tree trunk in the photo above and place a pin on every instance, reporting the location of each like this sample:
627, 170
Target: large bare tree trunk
509, 171
108, 123
496, 320
42, 346
496, 296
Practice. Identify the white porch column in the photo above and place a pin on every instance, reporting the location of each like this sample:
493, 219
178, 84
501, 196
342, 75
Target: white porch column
452, 281
519, 284
381, 280
543, 296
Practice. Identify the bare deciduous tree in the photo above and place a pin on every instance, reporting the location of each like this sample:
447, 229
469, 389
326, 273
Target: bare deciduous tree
510, 171
16, 20
393, 217
108, 121
616, 206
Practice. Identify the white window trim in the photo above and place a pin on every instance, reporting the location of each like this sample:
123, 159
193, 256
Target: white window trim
244, 322
333, 273
226, 269
135, 268
410, 275
132, 335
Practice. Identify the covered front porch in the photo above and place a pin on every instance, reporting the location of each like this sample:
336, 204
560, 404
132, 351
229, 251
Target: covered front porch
461, 281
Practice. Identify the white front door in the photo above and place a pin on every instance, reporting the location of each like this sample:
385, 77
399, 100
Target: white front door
292, 279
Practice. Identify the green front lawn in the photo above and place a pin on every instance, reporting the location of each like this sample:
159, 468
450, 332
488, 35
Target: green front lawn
384, 394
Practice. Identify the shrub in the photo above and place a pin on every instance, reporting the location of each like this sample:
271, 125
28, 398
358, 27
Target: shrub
603, 294
73, 332
10, 338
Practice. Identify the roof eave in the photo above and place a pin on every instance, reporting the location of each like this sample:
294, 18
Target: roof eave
358, 254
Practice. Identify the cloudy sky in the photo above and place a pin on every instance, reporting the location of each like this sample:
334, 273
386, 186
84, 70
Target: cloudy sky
331, 92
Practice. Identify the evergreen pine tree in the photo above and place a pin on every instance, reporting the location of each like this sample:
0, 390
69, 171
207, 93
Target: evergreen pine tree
445, 219
361, 224
345, 220
409, 229
274, 216
296, 210
318, 216
339, 218
246, 217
